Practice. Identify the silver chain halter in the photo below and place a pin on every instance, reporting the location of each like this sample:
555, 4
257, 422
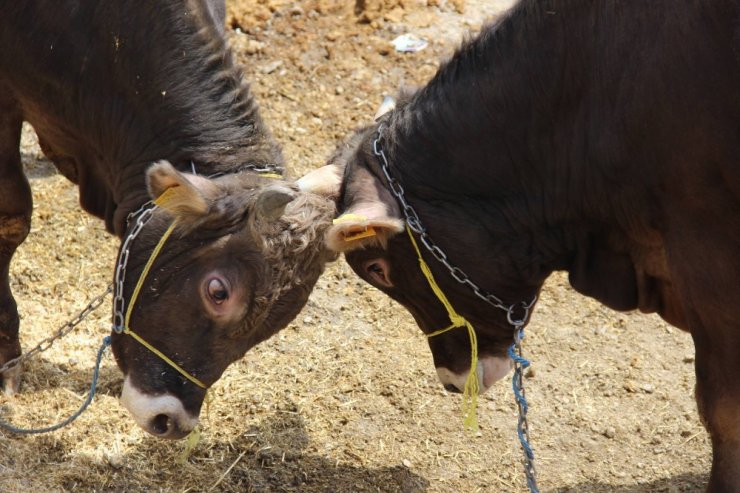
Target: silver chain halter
142, 215
515, 351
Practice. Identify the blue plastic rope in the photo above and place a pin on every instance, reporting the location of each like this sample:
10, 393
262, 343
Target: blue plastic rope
32, 431
520, 364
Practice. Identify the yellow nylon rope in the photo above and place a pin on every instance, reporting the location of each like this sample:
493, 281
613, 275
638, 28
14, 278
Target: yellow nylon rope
132, 302
472, 385
274, 176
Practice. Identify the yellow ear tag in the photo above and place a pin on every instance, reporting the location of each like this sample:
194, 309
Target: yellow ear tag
349, 217
366, 233
166, 196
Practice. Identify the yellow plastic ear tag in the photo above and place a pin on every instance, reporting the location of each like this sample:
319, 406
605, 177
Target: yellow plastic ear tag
349, 217
366, 233
166, 196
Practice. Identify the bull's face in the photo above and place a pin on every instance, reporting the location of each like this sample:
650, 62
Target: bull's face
371, 233
237, 268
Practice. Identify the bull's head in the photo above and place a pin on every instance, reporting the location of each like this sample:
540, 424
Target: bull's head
370, 231
239, 265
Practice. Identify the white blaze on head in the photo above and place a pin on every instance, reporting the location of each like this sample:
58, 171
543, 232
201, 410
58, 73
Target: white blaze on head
490, 369
161, 415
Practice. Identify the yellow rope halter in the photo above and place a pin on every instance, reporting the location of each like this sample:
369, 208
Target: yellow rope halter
126, 329
472, 385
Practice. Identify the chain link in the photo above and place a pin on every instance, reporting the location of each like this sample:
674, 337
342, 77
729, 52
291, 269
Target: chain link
42, 346
263, 169
142, 217
521, 364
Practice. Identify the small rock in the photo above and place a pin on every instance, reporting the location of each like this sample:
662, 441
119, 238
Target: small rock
406, 463
254, 46
116, 461
647, 388
610, 432
334, 35
339, 90
271, 67
689, 358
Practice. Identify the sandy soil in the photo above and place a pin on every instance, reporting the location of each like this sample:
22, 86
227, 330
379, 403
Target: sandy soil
346, 399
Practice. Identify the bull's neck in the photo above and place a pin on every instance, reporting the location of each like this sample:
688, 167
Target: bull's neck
181, 98
479, 138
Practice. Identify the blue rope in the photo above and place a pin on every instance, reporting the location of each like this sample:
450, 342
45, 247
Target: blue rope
31, 431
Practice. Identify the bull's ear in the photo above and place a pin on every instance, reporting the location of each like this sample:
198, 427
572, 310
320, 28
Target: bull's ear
370, 214
272, 201
185, 196
351, 231
326, 181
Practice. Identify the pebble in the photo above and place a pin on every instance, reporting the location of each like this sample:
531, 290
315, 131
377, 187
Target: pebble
406, 463
116, 461
254, 46
271, 67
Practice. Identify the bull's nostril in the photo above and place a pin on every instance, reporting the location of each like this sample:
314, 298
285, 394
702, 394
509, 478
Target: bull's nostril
161, 424
450, 387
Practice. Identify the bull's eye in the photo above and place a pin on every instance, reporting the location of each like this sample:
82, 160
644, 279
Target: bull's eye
217, 291
377, 270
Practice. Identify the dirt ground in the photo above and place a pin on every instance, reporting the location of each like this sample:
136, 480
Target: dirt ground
345, 399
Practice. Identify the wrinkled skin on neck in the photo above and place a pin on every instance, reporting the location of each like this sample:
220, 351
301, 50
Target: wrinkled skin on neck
238, 267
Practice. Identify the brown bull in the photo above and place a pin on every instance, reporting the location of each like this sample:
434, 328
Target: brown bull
110, 88
599, 138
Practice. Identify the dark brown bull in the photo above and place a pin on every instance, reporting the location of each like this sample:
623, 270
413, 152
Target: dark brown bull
599, 138
110, 88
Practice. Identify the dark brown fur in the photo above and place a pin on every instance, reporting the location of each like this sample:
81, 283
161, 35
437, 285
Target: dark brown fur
111, 87
600, 138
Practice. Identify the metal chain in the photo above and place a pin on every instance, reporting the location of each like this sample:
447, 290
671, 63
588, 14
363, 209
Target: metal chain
263, 169
93, 305
517, 381
517, 322
142, 216
412, 219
